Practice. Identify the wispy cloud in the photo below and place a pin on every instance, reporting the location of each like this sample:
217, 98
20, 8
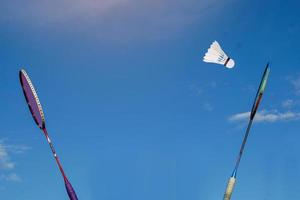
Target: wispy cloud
295, 81
266, 116
196, 90
201, 91
17, 149
11, 177
7, 166
289, 103
5, 162
111, 19
207, 106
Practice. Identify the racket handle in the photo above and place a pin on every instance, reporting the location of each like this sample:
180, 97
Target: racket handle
70, 190
229, 189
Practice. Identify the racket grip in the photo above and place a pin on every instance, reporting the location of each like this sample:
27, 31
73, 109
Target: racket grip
229, 189
71, 192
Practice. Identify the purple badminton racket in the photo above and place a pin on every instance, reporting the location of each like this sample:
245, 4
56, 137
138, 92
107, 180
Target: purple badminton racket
36, 110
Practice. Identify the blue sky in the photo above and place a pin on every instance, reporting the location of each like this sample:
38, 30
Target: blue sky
133, 111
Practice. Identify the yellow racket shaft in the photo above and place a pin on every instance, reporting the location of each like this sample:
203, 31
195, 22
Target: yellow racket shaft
229, 189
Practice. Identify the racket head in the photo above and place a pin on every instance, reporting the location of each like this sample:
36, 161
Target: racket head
260, 90
32, 99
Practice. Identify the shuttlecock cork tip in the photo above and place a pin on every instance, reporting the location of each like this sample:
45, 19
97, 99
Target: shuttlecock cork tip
229, 63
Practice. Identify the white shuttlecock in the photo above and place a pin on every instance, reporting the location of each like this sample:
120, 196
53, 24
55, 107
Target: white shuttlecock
215, 54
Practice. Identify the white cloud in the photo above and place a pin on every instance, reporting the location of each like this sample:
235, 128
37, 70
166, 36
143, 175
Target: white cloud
288, 103
17, 149
7, 166
5, 162
200, 90
266, 116
207, 106
239, 116
296, 84
195, 89
13, 177
117, 20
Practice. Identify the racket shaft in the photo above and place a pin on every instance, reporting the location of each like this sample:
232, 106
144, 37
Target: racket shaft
54, 153
229, 189
71, 192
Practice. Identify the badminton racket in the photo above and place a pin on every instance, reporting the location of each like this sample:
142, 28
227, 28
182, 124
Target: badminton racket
258, 97
37, 113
